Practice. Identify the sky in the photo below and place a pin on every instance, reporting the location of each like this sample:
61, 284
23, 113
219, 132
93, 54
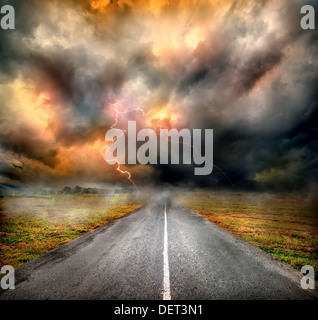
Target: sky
73, 69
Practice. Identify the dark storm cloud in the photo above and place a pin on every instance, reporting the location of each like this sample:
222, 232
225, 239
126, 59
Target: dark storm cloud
9, 173
254, 69
24, 143
252, 78
55, 73
258, 153
12, 51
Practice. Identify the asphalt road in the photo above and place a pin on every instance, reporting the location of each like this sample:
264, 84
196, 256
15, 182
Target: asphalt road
161, 251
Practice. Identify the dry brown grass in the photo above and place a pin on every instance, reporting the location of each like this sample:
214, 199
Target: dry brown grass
285, 225
32, 226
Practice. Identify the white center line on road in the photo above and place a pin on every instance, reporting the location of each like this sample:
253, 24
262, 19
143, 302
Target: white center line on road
166, 275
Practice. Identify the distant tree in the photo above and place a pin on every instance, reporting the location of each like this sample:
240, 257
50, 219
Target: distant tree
78, 189
67, 190
86, 190
89, 190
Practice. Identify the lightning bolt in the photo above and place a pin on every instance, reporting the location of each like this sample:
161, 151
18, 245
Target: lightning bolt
117, 113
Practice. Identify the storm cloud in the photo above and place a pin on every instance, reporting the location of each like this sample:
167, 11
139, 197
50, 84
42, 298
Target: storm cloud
243, 68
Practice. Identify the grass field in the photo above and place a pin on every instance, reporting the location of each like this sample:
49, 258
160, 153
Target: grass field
32, 226
283, 225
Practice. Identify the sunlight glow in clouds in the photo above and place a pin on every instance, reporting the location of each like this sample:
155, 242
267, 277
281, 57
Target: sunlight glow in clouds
243, 68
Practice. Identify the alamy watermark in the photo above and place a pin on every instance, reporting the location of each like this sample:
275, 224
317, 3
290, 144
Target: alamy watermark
308, 280
8, 280
147, 153
7, 18
308, 20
